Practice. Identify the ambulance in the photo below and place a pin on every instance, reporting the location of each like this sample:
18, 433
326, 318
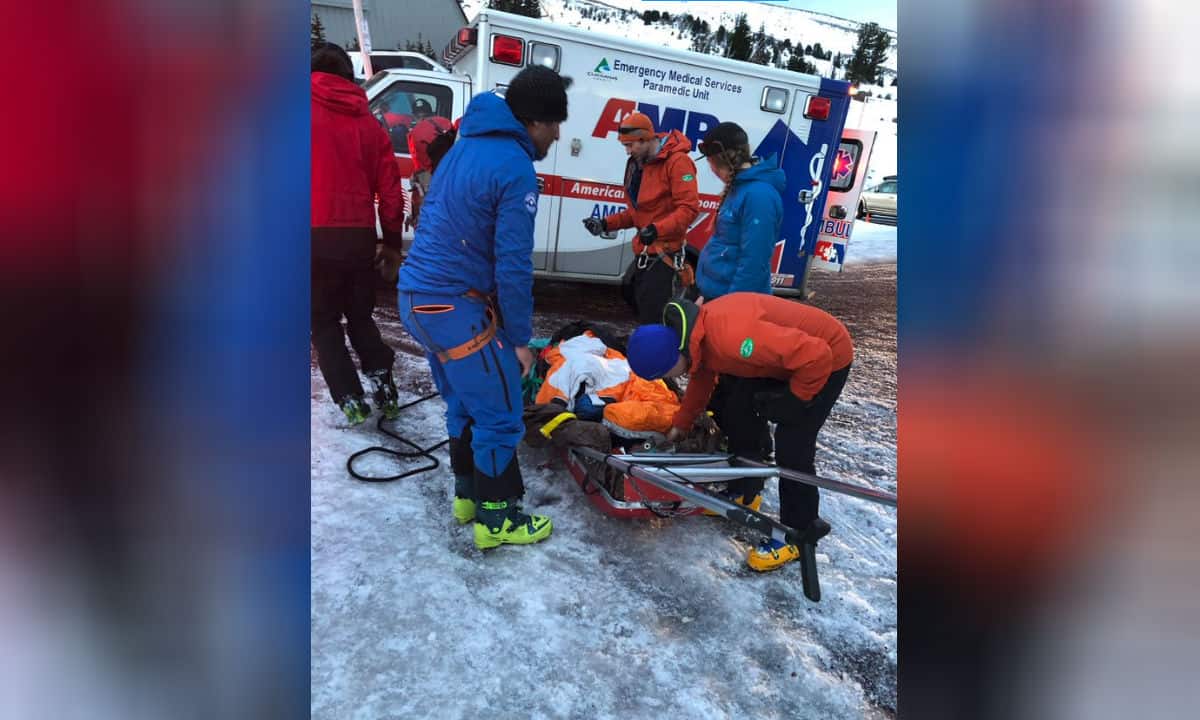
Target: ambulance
798, 118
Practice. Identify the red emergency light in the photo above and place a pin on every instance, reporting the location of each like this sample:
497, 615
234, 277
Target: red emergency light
508, 50
466, 36
817, 108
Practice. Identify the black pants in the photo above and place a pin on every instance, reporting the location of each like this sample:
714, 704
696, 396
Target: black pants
346, 288
795, 439
649, 290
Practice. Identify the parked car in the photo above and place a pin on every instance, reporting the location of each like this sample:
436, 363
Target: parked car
879, 200
388, 59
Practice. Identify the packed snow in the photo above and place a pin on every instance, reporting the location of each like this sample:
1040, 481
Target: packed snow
607, 618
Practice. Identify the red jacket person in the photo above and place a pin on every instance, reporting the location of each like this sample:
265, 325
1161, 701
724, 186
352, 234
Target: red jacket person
352, 163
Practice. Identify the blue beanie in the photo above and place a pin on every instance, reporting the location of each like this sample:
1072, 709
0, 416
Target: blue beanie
653, 350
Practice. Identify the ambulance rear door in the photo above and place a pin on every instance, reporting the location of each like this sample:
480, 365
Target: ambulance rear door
847, 177
809, 142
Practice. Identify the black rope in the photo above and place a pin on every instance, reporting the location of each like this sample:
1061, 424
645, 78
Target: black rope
418, 451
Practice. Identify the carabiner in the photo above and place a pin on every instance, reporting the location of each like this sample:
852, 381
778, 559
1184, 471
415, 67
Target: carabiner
643, 260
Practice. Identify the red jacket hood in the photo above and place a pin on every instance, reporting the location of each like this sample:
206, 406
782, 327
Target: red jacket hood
338, 94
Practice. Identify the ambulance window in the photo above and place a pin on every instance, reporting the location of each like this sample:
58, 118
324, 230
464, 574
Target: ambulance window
774, 99
404, 104
544, 54
845, 165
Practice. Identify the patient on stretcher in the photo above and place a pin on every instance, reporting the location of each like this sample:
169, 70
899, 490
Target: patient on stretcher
588, 396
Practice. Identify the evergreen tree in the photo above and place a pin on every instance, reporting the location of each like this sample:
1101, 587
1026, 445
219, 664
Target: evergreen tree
761, 55
528, 8
721, 38
739, 40
797, 63
869, 54
317, 31
424, 47
818, 51
808, 49
837, 61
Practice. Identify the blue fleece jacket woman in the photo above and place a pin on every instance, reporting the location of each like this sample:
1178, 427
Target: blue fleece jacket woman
738, 256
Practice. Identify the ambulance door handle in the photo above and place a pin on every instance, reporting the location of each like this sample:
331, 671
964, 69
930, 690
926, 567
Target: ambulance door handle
541, 182
576, 146
805, 197
837, 212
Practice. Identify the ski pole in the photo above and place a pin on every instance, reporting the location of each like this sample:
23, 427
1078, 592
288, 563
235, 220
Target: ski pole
859, 491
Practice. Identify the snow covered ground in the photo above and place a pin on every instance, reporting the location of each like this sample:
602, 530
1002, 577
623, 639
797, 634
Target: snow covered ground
871, 242
608, 618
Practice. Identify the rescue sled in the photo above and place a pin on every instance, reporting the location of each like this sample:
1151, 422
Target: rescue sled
671, 485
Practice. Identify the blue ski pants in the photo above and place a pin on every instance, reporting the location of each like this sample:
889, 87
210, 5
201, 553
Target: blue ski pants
482, 389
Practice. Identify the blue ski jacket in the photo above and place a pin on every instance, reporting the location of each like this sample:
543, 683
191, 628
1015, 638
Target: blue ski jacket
476, 229
738, 256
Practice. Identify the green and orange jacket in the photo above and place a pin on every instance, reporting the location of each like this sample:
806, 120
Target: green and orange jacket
753, 335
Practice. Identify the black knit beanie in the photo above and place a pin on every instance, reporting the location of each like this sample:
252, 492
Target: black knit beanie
333, 59
538, 93
726, 136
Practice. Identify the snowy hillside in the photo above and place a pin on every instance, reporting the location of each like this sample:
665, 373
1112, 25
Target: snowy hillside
624, 18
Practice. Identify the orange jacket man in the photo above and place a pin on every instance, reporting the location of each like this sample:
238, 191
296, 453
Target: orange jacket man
798, 357
663, 201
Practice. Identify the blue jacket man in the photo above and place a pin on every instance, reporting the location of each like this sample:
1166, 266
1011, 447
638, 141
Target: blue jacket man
466, 294
738, 256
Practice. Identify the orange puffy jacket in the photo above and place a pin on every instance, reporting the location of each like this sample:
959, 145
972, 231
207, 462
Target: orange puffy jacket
638, 404
668, 198
761, 336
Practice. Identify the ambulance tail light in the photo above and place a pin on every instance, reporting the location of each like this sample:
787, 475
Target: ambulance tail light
458, 46
817, 108
508, 50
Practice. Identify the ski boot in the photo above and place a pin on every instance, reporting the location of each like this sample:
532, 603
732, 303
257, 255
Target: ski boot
503, 522
500, 522
754, 503
356, 409
773, 554
463, 465
387, 398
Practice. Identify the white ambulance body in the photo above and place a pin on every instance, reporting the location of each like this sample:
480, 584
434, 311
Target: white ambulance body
799, 118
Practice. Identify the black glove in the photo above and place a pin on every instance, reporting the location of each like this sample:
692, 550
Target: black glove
780, 406
648, 234
595, 225
387, 262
